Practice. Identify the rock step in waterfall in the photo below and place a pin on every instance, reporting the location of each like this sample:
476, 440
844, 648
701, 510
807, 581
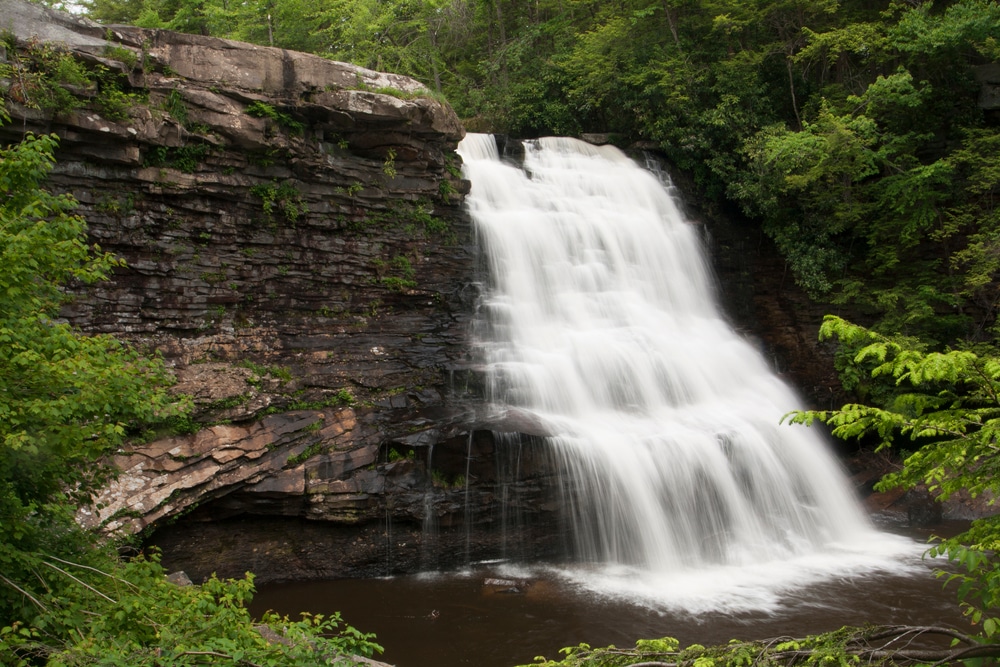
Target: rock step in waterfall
680, 482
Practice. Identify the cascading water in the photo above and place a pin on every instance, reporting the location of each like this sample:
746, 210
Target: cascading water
600, 324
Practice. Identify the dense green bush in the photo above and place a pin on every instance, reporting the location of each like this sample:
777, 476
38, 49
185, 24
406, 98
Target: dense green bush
67, 401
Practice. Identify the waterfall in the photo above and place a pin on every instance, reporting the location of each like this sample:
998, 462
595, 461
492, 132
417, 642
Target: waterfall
600, 323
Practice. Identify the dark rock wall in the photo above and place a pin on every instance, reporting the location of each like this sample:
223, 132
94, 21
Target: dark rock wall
759, 295
297, 251
310, 277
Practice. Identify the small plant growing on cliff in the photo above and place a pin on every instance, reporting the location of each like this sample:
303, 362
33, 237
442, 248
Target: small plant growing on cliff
447, 191
115, 104
451, 167
214, 278
43, 76
185, 158
126, 56
397, 274
117, 206
441, 480
174, 105
389, 165
264, 110
280, 197
397, 455
421, 216
310, 451
279, 372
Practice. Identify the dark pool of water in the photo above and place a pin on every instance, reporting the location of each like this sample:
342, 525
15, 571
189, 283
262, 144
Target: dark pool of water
463, 618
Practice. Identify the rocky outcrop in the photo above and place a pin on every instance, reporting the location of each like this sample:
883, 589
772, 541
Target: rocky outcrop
988, 77
296, 251
764, 304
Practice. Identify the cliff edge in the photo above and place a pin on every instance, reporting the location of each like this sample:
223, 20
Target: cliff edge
297, 252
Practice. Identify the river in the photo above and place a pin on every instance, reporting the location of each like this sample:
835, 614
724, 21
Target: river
472, 617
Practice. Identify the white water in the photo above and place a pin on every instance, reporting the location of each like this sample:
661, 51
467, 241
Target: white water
683, 488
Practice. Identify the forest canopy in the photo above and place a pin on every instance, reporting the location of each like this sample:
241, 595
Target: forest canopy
851, 132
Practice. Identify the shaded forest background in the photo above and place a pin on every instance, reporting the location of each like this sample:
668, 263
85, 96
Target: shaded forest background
851, 132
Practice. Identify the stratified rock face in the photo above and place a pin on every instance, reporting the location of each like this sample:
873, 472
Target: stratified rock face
297, 251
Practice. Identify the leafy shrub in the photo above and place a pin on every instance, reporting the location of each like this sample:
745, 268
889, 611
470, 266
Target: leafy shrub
264, 110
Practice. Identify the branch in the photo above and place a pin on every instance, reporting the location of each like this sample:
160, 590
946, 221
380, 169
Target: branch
24, 593
898, 631
82, 583
97, 571
217, 654
988, 384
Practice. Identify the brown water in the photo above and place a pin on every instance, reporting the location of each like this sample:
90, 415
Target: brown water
464, 618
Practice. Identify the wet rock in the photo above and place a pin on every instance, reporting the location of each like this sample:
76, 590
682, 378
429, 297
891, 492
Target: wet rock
287, 266
988, 77
179, 579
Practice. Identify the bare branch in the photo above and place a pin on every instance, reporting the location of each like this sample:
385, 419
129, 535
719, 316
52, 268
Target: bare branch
217, 654
24, 593
82, 583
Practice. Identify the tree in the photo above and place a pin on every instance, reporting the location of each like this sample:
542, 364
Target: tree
67, 401
947, 404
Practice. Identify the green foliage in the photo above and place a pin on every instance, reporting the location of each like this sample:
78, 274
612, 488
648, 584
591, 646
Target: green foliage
174, 105
849, 132
117, 205
442, 480
41, 76
394, 455
945, 401
185, 158
115, 104
280, 197
446, 190
873, 645
309, 452
68, 403
340, 398
397, 274
134, 617
389, 164
126, 56
947, 404
264, 110
279, 372
68, 399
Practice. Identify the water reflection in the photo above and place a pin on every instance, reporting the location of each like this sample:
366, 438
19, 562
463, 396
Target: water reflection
491, 616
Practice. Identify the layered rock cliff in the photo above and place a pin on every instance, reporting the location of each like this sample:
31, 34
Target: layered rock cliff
297, 252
